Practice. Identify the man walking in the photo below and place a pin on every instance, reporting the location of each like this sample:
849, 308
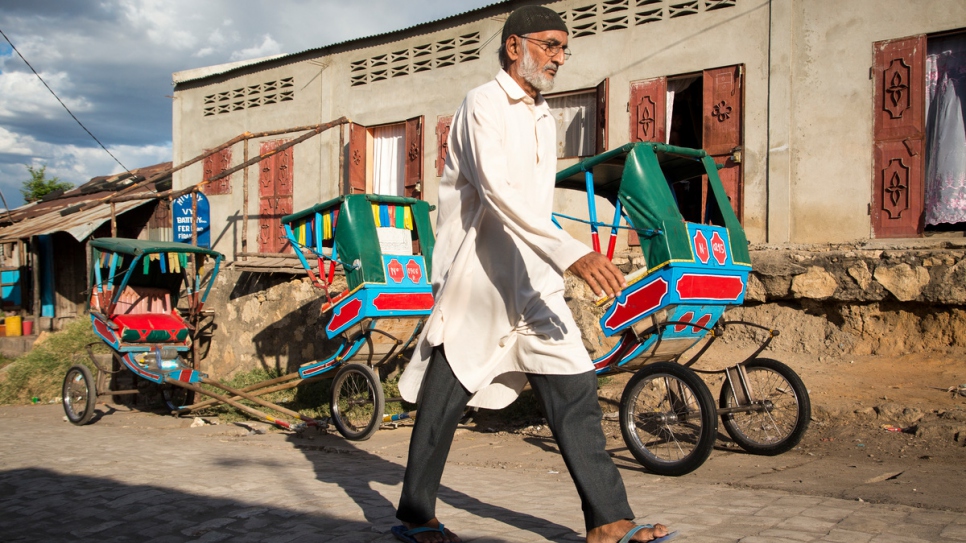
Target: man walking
500, 318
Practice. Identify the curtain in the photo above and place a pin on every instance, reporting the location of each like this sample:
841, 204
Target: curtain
576, 116
388, 159
674, 86
945, 185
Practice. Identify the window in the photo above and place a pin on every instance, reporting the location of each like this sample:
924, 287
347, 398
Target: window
581, 121
386, 159
702, 111
215, 164
919, 154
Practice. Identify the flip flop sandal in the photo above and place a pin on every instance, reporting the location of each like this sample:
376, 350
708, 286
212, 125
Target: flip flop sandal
403, 534
627, 537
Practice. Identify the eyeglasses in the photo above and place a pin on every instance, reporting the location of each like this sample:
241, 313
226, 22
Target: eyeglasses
549, 47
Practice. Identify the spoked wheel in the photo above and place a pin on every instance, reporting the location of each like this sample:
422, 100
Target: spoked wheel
357, 402
668, 418
780, 410
176, 397
79, 395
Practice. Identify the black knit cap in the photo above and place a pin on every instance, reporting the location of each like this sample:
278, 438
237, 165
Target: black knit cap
530, 19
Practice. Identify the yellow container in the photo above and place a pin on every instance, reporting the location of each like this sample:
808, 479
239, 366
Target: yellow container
13, 326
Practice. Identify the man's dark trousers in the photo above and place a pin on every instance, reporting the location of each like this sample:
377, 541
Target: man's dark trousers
573, 415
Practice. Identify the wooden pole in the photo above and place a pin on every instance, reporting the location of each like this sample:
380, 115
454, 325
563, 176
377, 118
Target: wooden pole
113, 220
244, 233
35, 277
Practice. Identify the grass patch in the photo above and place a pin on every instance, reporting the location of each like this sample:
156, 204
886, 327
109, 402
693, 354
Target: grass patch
40, 373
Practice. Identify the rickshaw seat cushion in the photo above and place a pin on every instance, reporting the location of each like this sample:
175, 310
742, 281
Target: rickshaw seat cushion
151, 328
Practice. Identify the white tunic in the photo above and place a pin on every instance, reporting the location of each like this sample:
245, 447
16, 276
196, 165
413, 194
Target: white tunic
499, 260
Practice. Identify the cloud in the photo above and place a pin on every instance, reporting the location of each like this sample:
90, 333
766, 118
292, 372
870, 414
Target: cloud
268, 47
24, 94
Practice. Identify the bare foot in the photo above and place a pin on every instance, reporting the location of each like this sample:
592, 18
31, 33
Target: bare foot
613, 532
432, 537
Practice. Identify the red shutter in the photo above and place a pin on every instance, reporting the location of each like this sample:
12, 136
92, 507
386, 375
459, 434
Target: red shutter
357, 158
722, 110
214, 164
722, 130
898, 103
414, 157
442, 142
647, 110
275, 188
600, 141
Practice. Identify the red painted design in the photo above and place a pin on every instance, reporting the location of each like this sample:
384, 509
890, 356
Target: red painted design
692, 286
702, 322
345, 314
185, 376
687, 317
413, 271
105, 331
701, 247
642, 300
718, 249
395, 270
416, 301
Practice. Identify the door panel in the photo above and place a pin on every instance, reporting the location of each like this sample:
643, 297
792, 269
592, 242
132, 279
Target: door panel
647, 110
898, 103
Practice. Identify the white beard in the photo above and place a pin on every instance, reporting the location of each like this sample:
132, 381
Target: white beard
534, 74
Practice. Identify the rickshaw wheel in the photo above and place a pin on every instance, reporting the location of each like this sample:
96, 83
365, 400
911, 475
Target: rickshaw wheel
79, 395
782, 414
357, 402
176, 397
668, 419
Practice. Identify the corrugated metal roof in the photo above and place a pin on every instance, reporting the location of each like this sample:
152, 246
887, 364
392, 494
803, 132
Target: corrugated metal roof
80, 225
343, 44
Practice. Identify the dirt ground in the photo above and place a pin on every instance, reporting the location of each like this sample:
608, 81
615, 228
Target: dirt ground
883, 430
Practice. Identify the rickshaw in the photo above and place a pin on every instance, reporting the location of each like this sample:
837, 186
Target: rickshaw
694, 270
384, 247
147, 304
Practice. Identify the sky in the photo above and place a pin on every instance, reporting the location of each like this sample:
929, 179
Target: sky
110, 62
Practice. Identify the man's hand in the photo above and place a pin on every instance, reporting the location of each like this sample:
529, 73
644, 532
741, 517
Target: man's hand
600, 274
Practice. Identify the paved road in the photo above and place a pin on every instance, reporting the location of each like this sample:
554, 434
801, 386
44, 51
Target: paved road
142, 477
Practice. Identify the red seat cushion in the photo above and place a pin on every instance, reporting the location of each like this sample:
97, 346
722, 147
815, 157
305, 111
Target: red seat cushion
151, 328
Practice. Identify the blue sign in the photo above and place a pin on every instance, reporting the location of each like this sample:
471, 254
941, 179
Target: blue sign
181, 220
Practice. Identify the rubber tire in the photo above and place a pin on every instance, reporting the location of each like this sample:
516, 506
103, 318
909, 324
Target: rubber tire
734, 422
700, 439
360, 382
176, 397
79, 375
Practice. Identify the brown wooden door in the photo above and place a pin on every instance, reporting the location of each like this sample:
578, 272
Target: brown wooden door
358, 136
275, 187
214, 164
413, 180
722, 116
647, 110
898, 103
442, 142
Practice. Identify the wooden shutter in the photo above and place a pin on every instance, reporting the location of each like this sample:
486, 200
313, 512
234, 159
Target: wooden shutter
275, 188
648, 118
442, 142
412, 182
898, 100
214, 164
357, 158
600, 141
722, 121
647, 110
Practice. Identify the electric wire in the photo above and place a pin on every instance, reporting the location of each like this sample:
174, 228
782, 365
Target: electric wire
62, 103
